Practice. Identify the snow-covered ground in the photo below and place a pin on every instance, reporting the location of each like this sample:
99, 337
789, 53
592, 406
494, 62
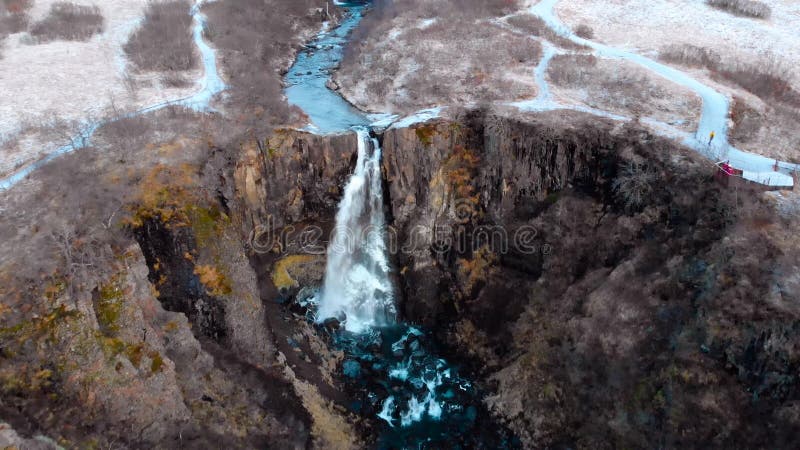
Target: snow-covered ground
715, 107
71, 81
646, 26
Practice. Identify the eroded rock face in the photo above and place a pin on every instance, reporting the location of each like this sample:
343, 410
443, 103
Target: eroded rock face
287, 191
115, 367
293, 176
631, 300
639, 305
178, 341
477, 177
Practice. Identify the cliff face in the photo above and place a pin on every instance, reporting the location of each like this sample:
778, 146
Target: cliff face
109, 357
171, 334
605, 288
454, 183
293, 176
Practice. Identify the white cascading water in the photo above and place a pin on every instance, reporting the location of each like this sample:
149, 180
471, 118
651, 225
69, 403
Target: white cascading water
357, 288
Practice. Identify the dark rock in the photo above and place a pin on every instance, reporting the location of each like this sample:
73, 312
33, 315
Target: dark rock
332, 324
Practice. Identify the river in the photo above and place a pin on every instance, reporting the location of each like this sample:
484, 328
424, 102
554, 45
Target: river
394, 372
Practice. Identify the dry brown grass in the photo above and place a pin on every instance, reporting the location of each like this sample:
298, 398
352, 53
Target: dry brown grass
582, 71
253, 43
571, 70
491, 63
690, 55
746, 121
531, 24
175, 80
766, 76
748, 8
70, 22
621, 87
164, 40
768, 131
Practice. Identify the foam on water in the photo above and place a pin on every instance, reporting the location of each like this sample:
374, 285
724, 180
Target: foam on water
386, 411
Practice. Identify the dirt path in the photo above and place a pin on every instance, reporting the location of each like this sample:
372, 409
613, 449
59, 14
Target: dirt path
211, 82
714, 116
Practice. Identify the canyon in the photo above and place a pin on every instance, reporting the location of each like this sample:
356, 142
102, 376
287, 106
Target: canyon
518, 278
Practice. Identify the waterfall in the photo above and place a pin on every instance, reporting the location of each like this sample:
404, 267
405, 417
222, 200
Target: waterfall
357, 288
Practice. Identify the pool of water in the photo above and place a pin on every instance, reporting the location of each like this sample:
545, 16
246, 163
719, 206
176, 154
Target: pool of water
396, 374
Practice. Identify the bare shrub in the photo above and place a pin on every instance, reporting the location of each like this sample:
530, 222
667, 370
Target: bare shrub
572, 70
255, 43
164, 40
72, 132
131, 87
584, 31
766, 129
127, 133
748, 8
476, 73
633, 185
488, 65
766, 77
175, 80
690, 55
535, 26
13, 16
746, 121
451, 10
628, 90
68, 21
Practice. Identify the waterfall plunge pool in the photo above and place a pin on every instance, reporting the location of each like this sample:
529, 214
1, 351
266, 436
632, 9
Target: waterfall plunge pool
392, 371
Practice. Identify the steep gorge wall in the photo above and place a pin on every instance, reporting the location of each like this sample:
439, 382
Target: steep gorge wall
293, 176
672, 319
481, 173
644, 305
206, 263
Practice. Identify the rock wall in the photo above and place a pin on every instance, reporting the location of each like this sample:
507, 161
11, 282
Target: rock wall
481, 173
603, 287
111, 358
293, 176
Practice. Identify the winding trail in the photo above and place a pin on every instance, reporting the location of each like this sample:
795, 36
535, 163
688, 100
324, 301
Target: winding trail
211, 85
714, 116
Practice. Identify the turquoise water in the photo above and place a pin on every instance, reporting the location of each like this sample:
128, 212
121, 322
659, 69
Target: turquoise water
421, 400
394, 373
306, 80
